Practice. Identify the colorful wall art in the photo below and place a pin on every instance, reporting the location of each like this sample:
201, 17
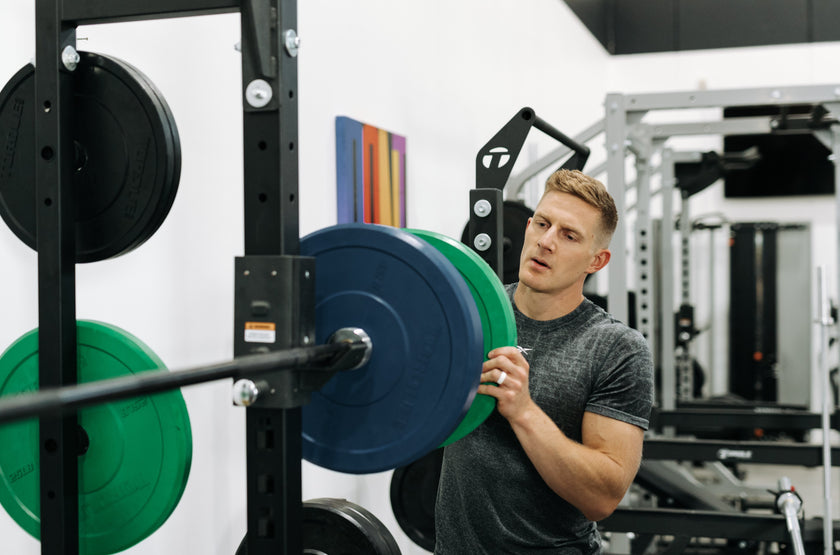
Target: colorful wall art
370, 172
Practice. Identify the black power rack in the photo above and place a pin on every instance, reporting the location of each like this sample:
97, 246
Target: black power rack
269, 49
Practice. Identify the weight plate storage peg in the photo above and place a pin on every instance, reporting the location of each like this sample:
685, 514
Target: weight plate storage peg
127, 157
135, 454
498, 324
427, 351
340, 527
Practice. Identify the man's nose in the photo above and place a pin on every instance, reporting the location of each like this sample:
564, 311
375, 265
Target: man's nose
547, 240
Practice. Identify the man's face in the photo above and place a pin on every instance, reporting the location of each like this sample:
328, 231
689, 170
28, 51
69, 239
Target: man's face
560, 245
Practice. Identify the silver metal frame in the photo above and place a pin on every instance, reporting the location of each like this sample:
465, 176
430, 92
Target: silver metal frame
626, 134
624, 127
624, 124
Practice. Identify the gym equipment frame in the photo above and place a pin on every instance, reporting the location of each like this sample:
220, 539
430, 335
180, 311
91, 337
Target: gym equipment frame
282, 358
269, 50
626, 134
624, 127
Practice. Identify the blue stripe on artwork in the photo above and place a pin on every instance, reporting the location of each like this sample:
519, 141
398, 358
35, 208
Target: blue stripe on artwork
349, 170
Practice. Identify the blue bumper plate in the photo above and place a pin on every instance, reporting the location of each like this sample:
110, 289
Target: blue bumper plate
427, 353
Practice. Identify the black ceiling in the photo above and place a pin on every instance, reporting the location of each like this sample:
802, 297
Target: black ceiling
637, 26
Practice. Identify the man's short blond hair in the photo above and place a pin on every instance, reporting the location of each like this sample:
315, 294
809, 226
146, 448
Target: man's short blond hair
592, 192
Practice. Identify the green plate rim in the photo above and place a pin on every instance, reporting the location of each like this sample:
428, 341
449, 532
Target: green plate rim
491, 298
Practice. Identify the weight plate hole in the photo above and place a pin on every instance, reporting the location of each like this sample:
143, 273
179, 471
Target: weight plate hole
51, 445
47, 201
84, 440
263, 197
47, 106
47, 153
81, 156
262, 145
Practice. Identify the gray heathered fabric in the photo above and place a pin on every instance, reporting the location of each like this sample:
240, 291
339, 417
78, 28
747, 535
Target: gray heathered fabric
490, 497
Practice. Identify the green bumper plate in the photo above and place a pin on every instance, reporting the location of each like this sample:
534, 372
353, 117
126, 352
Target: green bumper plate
138, 458
497, 320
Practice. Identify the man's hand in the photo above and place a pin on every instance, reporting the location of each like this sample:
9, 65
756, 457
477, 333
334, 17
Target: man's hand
505, 377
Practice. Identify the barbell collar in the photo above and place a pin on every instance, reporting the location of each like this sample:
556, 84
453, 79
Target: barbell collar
361, 347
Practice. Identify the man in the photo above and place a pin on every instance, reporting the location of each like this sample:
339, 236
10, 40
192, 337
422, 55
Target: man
565, 442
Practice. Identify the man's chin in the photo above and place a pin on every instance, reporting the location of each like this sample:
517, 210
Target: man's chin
529, 281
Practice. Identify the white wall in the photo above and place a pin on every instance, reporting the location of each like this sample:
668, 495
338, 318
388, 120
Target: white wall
447, 75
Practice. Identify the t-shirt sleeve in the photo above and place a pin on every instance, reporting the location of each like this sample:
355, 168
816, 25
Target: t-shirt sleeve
623, 390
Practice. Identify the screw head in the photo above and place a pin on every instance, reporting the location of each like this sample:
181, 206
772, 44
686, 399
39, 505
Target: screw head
258, 93
292, 42
482, 208
245, 393
482, 242
70, 58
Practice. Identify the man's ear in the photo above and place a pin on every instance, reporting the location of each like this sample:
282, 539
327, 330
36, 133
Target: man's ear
528, 223
599, 260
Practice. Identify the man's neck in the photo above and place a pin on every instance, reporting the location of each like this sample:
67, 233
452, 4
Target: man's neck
546, 306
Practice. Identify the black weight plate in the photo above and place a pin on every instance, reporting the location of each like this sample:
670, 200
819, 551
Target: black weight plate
173, 176
515, 218
127, 157
172, 168
337, 526
340, 527
413, 491
427, 354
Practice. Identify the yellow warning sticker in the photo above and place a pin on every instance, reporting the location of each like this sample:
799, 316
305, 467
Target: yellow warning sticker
260, 332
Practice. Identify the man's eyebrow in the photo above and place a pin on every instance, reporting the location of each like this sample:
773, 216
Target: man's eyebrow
573, 230
561, 225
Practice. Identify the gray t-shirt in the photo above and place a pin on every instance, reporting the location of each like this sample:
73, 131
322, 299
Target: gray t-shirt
490, 497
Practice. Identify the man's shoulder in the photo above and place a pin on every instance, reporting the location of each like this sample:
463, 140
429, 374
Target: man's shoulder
602, 322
